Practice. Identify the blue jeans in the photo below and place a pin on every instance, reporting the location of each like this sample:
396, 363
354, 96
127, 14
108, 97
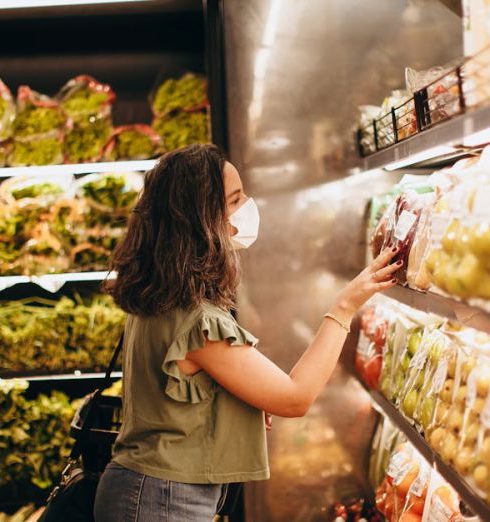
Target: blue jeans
127, 496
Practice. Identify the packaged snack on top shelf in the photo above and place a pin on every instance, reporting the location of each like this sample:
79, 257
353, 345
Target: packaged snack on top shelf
7, 112
131, 142
83, 98
182, 128
186, 93
367, 113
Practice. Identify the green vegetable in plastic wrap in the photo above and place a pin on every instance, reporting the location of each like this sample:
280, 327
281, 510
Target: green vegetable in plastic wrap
182, 129
132, 144
35, 190
188, 92
40, 334
34, 435
43, 151
86, 141
110, 191
38, 120
83, 102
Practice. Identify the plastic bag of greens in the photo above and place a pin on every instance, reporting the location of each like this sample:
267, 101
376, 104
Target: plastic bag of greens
111, 193
39, 191
86, 141
181, 129
87, 256
37, 115
7, 112
131, 142
38, 130
84, 97
43, 253
187, 93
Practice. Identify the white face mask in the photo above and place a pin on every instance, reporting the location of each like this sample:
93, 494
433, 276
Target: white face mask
246, 220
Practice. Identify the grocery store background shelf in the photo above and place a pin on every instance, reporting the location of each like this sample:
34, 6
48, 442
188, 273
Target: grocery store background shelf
463, 313
418, 148
472, 500
53, 282
79, 168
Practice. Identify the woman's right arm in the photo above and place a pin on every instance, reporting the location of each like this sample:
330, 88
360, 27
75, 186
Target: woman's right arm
256, 380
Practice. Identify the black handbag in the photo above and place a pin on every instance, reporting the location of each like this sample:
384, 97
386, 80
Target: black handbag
73, 498
95, 428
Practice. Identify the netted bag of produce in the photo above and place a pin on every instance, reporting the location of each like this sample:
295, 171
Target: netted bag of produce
112, 194
38, 130
83, 97
132, 142
182, 129
188, 93
7, 112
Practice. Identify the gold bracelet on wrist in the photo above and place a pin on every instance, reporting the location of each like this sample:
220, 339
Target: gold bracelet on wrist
338, 321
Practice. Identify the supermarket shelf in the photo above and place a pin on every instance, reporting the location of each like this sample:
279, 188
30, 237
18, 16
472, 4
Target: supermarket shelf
448, 133
79, 168
471, 499
76, 375
462, 313
53, 282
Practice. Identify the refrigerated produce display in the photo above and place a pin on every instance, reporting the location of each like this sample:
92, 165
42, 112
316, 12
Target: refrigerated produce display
82, 117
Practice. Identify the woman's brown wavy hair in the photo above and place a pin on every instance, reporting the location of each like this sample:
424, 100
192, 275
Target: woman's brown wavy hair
177, 252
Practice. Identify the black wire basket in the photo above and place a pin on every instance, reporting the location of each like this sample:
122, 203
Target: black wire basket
462, 88
96, 424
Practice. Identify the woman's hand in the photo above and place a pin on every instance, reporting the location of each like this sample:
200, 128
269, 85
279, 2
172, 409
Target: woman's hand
376, 277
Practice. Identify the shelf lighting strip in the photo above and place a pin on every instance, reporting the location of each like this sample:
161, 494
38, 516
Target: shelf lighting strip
79, 168
22, 4
53, 282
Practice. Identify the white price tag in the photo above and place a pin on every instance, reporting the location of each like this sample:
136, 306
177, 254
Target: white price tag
418, 485
471, 389
363, 344
485, 414
396, 463
404, 224
418, 360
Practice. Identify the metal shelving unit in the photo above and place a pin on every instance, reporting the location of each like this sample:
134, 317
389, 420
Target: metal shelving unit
76, 375
471, 499
463, 313
446, 137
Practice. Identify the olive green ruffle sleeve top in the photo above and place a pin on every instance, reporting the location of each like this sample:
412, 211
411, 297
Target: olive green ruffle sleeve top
179, 427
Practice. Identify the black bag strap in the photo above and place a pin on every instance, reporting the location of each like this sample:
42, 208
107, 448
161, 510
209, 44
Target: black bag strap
106, 382
110, 368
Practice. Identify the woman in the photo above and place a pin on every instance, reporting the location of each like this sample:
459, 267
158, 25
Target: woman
195, 386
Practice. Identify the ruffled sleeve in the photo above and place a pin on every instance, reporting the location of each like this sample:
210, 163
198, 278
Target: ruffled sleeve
200, 386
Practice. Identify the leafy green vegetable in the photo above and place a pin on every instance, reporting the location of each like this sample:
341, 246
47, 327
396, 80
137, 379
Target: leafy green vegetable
43, 151
34, 120
132, 144
86, 140
84, 101
34, 435
184, 128
188, 92
110, 190
38, 334
37, 189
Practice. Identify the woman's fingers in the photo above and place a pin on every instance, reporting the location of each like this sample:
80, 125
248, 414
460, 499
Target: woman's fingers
386, 284
384, 258
384, 273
